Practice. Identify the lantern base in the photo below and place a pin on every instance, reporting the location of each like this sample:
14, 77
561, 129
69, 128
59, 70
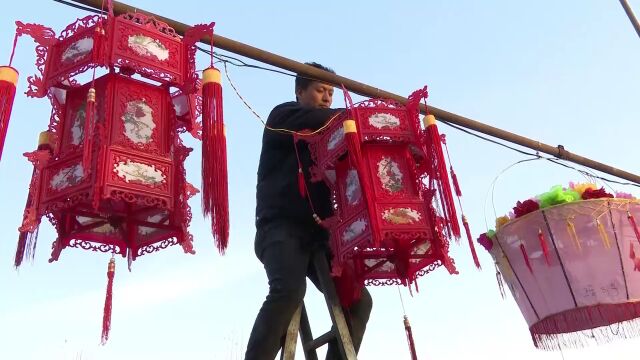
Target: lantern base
580, 327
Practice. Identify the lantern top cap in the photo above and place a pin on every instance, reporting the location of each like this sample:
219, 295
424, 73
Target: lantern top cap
349, 126
211, 75
9, 74
429, 120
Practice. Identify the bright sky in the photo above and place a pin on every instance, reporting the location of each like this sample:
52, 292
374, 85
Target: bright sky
559, 72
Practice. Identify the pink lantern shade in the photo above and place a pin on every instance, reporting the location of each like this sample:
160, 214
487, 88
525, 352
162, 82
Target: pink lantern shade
591, 281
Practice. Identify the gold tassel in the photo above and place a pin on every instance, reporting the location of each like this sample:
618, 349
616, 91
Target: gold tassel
603, 235
574, 236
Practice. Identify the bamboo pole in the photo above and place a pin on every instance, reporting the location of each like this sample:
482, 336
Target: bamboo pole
282, 62
632, 17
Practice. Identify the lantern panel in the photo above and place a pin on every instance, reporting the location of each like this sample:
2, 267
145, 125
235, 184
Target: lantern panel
380, 120
146, 179
141, 118
64, 179
74, 52
391, 173
149, 47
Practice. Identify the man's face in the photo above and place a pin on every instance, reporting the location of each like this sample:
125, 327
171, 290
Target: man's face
316, 95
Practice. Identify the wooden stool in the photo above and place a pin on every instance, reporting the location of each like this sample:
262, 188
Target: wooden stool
300, 322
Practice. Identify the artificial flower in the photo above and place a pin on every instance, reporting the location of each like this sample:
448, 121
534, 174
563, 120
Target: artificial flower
525, 207
501, 221
595, 194
581, 187
624, 195
557, 195
485, 241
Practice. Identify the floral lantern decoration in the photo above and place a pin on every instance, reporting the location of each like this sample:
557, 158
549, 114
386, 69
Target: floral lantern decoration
570, 259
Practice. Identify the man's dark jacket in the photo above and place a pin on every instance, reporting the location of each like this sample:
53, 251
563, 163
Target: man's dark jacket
277, 194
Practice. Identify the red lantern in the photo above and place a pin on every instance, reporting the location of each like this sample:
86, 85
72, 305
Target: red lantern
386, 229
109, 172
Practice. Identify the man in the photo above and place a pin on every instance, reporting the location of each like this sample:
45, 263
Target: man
286, 232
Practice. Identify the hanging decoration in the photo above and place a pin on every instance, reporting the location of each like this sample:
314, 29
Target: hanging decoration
568, 258
109, 171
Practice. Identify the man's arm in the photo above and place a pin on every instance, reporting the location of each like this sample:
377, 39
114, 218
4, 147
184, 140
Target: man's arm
292, 116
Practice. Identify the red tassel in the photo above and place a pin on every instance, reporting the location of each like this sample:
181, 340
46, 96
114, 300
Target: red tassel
8, 81
454, 179
438, 174
28, 237
89, 121
412, 345
526, 257
27, 241
302, 188
472, 247
632, 253
348, 288
106, 315
632, 220
355, 158
215, 196
544, 246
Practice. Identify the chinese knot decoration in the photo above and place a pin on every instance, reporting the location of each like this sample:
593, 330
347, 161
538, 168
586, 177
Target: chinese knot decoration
109, 171
393, 199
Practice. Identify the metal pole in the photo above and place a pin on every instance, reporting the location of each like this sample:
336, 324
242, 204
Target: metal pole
370, 91
631, 16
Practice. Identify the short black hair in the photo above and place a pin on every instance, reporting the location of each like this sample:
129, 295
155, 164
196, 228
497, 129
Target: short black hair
303, 82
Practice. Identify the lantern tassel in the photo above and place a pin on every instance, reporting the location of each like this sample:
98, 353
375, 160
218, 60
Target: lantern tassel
603, 235
27, 241
8, 81
571, 228
632, 220
526, 258
90, 112
454, 179
215, 196
438, 174
302, 188
411, 343
544, 246
355, 158
472, 247
28, 238
108, 301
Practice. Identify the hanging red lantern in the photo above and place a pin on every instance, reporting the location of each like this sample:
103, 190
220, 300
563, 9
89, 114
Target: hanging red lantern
109, 172
386, 229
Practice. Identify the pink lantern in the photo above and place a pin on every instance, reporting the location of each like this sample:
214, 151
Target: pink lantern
590, 278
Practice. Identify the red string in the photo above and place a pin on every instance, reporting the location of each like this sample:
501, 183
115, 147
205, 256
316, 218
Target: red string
13, 49
211, 45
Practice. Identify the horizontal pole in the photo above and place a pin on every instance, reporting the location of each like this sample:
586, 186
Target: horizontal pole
282, 62
630, 15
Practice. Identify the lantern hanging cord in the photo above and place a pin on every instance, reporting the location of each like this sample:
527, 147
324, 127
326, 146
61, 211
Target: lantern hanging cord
224, 58
287, 131
404, 312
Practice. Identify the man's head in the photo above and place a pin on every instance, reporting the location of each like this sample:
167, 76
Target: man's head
314, 93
